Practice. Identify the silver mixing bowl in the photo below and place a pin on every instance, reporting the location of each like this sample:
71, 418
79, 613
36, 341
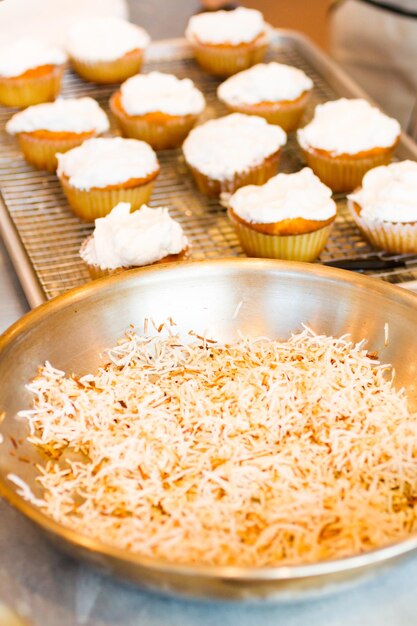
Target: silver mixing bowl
254, 296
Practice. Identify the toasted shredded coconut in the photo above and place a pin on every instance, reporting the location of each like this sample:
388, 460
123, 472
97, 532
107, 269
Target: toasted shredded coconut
255, 453
386, 334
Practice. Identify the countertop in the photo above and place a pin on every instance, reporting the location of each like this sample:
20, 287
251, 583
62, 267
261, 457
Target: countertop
49, 589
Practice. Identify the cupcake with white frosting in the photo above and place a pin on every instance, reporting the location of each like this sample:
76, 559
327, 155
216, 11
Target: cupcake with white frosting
102, 172
277, 92
232, 151
385, 207
106, 49
289, 217
345, 139
30, 72
226, 42
157, 108
45, 129
123, 240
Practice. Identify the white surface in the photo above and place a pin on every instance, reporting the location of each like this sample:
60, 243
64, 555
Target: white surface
230, 27
104, 38
50, 19
349, 126
284, 196
124, 239
77, 115
265, 82
389, 193
28, 53
148, 93
222, 147
103, 161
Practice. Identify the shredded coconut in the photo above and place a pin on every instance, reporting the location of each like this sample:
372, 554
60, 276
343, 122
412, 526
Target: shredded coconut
255, 453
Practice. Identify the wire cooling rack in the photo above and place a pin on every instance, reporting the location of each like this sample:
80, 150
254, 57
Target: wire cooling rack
43, 236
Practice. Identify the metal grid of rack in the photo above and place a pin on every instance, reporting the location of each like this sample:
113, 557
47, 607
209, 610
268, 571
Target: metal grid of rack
51, 235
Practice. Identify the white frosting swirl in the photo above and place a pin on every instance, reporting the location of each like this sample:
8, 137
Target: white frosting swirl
124, 239
148, 93
222, 147
229, 27
265, 82
77, 115
101, 161
105, 38
348, 127
26, 54
285, 196
389, 193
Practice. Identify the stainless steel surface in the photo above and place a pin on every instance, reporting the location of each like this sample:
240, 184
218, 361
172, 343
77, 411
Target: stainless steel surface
44, 236
276, 298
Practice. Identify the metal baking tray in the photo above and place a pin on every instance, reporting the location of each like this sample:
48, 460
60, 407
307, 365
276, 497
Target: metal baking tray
43, 236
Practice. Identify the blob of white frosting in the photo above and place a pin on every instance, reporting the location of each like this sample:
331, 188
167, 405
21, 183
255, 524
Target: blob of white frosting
104, 38
103, 161
389, 193
348, 127
229, 27
147, 93
26, 54
125, 239
284, 196
76, 115
265, 82
228, 145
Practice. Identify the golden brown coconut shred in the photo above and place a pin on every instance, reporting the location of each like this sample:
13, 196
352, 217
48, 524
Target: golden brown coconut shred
255, 453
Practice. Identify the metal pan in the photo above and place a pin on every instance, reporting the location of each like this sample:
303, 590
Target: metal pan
221, 297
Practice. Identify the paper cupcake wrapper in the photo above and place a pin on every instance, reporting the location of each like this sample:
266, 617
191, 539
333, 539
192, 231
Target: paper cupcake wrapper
41, 152
228, 60
161, 135
23, 92
109, 71
306, 247
396, 238
257, 175
287, 115
93, 203
345, 174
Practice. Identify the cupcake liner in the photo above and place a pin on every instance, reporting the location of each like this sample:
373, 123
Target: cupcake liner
89, 204
227, 60
345, 173
96, 271
256, 175
25, 91
285, 114
109, 71
397, 238
41, 152
305, 247
160, 131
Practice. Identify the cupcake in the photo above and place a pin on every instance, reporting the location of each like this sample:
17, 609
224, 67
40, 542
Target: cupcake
233, 151
226, 42
345, 139
290, 217
123, 240
101, 172
30, 72
279, 93
385, 207
106, 49
43, 130
158, 108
